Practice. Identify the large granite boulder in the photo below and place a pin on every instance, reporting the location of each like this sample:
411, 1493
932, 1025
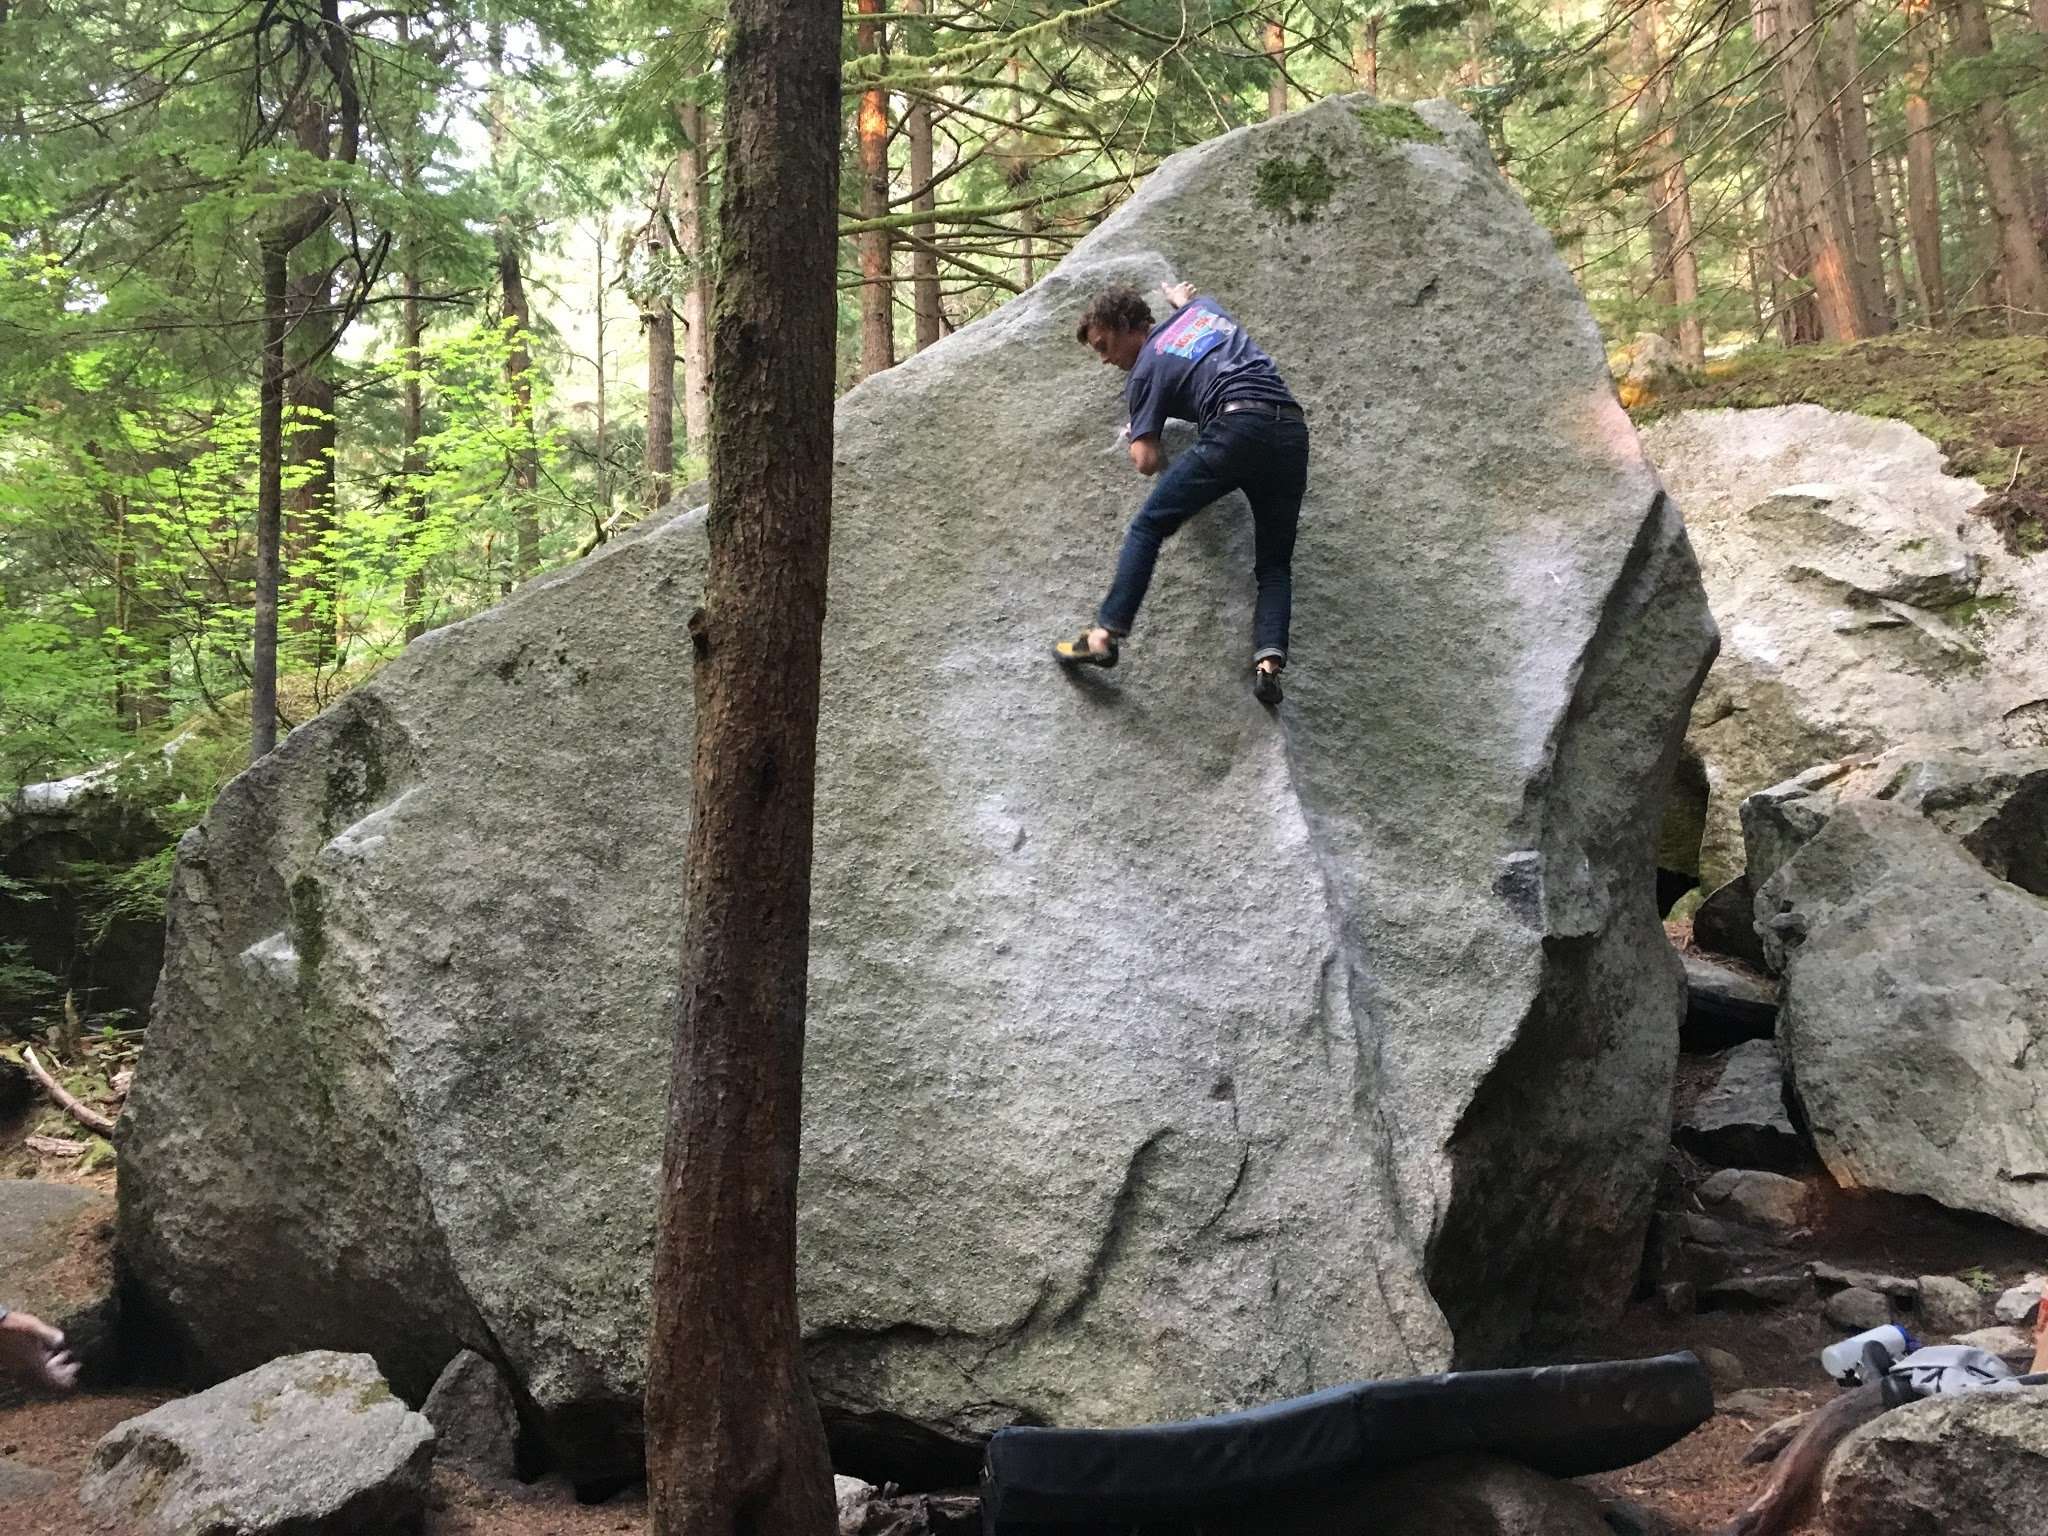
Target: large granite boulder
1862, 606
1166, 1055
1915, 1012
1976, 1463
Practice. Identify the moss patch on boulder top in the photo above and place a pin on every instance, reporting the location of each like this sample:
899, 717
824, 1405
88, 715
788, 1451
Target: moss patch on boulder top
1294, 189
1985, 402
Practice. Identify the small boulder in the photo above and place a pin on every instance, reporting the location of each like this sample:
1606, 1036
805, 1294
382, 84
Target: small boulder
1651, 368
309, 1445
1725, 924
1741, 1121
1725, 1370
2009, 1344
1975, 1463
1832, 1277
1854, 1309
1948, 1306
1465, 1495
476, 1426
2018, 1305
22, 1480
1724, 1006
1756, 1293
1759, 1199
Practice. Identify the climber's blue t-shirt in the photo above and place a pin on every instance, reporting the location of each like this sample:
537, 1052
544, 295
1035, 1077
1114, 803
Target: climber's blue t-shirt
1193, 361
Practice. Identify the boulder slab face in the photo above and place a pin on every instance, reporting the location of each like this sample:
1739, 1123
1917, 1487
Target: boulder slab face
1165, 1055
1976, 1462
308, 1445
1862, 605
1915, 1013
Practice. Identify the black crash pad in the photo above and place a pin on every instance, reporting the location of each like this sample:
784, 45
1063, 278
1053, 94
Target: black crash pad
1566, 1420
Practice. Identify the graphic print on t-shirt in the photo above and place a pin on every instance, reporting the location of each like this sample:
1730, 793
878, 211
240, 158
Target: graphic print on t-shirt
1195, 334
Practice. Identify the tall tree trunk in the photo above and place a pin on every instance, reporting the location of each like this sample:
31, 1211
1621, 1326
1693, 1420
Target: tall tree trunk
311, 438
877, 290
1923, 181
2026, 285
413, 467
1893, 239
276, 258
412, 423
1022, 163
604, 457
658, 321
1797, 315
1852, 119
1821, 178
734, 1442
518, 358
1365, 55
694, 250
924, 262
1671, 191
1276, 84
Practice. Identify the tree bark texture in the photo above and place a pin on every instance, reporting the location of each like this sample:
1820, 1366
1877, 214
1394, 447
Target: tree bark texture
1852, 120
1821, 178
519, 384
693, 248
1797, 314
1365, 55
1923, 183
735, 1446
269, 500
1670, 190
2026, 285
924, 262
1276, 86
658, 320
877, 288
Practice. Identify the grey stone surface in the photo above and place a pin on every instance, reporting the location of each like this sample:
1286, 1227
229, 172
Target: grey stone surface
23, 1480
2008, 1343
1742, 1120
1759, 1198
57, 1261
1725, 923
2017, 1304
1976, 1462
1724, 1368
1724, 1007
1853, 1309
308, 1445
1914, 1012
1756, 1293
1445, 1496
1863, 606
1828, 1276
1371, 1047
1994, 803
476, 1426
1947, 1306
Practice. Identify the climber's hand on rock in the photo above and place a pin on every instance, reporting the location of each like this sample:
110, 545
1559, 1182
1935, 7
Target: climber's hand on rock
1178, 294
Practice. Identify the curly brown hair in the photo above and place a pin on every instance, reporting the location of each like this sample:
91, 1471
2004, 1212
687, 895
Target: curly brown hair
1121, 308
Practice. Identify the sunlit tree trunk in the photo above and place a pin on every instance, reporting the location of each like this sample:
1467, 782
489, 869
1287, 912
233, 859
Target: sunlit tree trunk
1276, 84
877, 286
1365, 54
1797, 314
1853, 120
1821, 179
1923, 181
658, 323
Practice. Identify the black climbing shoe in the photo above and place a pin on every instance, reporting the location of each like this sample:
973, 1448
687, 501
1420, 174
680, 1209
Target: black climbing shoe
1078, 653
1266, 686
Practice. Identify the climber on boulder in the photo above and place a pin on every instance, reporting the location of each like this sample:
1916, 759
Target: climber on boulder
1201, 366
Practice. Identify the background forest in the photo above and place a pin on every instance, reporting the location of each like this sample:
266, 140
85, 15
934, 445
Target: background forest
325, 322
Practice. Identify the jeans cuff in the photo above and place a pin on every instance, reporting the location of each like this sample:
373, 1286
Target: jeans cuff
1122, 632
1269, 650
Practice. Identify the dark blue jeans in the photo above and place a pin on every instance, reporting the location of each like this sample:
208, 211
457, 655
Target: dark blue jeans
1264, 456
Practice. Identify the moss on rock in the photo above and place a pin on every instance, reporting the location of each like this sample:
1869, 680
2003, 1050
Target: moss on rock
1294, 189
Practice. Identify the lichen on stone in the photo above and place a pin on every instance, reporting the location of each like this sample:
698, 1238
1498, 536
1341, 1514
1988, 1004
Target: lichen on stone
1387, 123
1294, 189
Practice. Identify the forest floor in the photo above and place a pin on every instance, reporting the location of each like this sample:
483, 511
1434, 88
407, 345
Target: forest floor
1984, 402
